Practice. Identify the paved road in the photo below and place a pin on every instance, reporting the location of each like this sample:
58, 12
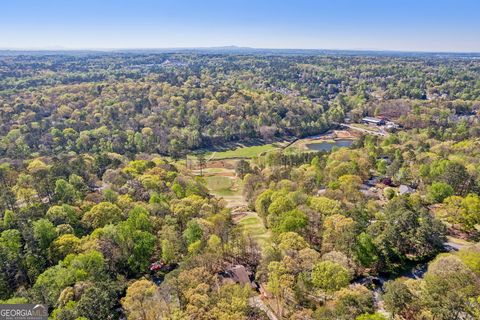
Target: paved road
454, 246
378, 133
256, 302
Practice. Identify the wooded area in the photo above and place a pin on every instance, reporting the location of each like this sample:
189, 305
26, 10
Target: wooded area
101, 217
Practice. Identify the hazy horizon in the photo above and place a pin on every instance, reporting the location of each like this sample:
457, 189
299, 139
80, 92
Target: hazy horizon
100, 49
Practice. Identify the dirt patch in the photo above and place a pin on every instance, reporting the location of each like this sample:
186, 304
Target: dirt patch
227, 164
229, 174
345, 134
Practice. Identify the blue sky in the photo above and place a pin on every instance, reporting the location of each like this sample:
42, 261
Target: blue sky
410, 25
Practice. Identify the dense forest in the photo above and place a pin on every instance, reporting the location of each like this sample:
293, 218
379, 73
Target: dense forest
173, 103
101, 217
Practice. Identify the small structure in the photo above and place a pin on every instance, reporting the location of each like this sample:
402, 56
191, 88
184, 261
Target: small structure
404, 189
321, 192
391, 126
374, 121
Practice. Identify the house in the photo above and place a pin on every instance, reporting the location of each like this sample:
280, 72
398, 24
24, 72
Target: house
374, 121
238, 274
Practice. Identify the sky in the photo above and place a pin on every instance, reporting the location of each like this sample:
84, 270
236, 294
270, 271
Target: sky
404, 25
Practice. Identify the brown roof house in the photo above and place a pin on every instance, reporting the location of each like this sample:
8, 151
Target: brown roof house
238, 274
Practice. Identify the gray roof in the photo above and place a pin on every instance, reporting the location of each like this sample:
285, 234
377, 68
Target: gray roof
404, 189
370, 119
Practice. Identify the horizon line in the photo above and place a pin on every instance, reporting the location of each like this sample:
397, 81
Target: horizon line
232, 47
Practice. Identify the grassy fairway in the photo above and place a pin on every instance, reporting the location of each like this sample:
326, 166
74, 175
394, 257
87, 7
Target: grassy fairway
253, 225
221, 186
217, 183
243, 152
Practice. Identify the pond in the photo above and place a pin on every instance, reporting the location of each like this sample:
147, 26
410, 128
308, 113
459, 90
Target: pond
328, 145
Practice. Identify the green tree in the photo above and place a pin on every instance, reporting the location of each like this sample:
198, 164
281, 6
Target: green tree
352, 302
407, 230
470, 216
44, 233
397, 298
295, 220
329, 277
438, 191
102, 214
142, 301
10, 259
339, 233
168, 252
279, 284
325, 206
64, 214
231, 302
366, 251
97, 301
471, 258
136, 246
65, 192
63, 246
193, 232
449, 286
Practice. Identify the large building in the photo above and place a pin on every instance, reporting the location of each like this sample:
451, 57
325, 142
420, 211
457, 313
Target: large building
375, 121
